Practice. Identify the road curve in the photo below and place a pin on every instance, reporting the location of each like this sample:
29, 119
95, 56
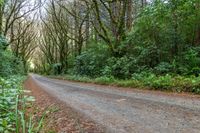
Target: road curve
122, 111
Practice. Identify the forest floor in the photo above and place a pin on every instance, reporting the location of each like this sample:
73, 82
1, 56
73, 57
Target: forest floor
77, 107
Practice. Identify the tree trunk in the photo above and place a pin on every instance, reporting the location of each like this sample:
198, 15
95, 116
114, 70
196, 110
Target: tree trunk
129, 11
87, 33
115, 8
1, 17
198, 36
76, 19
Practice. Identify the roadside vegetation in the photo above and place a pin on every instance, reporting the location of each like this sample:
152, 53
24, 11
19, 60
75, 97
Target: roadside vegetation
14, 102
17, 45
153, 44
144, 81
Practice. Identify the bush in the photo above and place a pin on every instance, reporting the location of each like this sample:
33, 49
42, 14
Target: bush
3, 43
13, 107
121, 68
168, 82
92, 61
9, 64
195, 71
163, 67
104, 80
10, 89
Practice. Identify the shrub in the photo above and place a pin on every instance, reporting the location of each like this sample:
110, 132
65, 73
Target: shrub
9, 64
168, 82
13, 103
3, 42
163, 67
92, 61
10, 89
104, 80
121, 68
195, 71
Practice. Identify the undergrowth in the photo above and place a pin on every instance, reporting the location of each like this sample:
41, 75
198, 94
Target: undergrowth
13, 107
174, 83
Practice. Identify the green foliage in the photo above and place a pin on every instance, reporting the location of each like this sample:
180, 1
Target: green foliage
168, 82
10, 89
1, 2
104, 80
13, 103
96, 61
192, 60
9, 64
3, 42
56, 68
162, 40
160, 52
163, 67
163, 37
120, 67
195, 71
92, 61
147, 80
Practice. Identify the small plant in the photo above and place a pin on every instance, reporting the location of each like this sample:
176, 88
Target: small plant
195, 71
104, 80
163, 67
13, 103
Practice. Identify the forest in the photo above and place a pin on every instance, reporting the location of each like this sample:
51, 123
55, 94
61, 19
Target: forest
136, 43
152, 44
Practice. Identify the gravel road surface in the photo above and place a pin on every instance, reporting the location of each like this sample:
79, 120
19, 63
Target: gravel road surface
127, 111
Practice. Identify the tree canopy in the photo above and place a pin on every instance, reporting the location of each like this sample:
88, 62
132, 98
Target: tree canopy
104, 38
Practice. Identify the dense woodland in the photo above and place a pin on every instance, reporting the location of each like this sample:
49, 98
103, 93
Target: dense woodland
119, 38
111, 39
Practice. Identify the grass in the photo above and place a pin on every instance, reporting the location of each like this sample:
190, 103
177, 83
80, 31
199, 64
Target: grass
173, 83
13, 108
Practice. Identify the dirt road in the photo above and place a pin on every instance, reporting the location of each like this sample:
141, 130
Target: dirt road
127, 111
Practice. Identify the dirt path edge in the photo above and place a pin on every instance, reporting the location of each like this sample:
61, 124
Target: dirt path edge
60, 117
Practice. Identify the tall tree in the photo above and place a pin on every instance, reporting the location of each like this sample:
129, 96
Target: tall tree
129, 13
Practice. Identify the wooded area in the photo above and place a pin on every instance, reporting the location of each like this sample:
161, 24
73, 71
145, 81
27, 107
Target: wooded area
119, 38
101, 38
111, 39
153, 44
